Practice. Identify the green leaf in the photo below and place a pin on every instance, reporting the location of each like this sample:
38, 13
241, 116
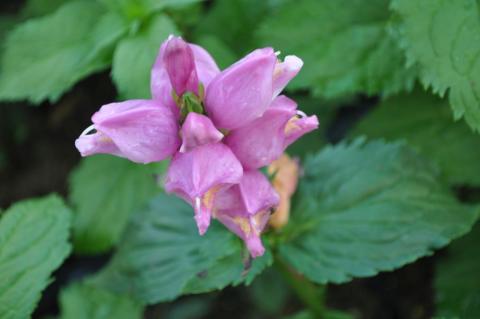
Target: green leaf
233, 22
44, 57
345, 46
441, 37
33, 243
83, 301
140, 9
222, 54
36, 8
134, 58
426, 123
457, 279
162, 255
105, 191
369, 207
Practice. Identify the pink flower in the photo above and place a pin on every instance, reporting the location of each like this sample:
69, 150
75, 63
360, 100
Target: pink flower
199, 174
219, 127
141, 130
246, 207
263, 140
198, 130
160, 84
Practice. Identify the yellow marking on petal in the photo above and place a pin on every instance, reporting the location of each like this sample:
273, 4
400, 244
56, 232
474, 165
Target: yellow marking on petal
105, 139
209, 196
291, 125
244, 224
285, 183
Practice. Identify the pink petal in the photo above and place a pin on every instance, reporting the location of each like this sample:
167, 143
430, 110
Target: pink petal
199, 174
141, 130
297, 127
198, 130
284, 72
160, 85
242, 92
260, 142
245, 209
179, 62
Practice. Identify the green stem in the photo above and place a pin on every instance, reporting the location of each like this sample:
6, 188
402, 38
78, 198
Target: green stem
312, 296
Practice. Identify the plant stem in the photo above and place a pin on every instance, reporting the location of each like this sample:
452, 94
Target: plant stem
312, 296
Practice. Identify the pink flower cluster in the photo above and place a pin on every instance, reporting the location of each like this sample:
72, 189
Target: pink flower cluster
219, 127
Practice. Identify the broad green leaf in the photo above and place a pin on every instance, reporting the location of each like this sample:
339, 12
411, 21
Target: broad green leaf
441, 37
140, 9
162, 255
36, 8
369, 207
134, 58
344, 43
33, 243
457, 279
83, 301
44, 57
105, 191
7, 22
426, 123
233, 22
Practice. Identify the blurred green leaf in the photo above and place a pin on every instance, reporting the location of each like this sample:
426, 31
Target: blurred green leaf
269, 293
369, 207
105, 191
83, 301
344, 44
331, 314
140, 9
233, 22
457, 279
222, 54
36, 8
426, 122
33, 243
135, 56
7, 22
44, 57
441, 37
162, 255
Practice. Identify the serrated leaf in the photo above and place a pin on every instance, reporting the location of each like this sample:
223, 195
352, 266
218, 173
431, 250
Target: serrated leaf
134, 58
426, 123
345, 46
44, 57
369, 207
105, 191
457, 279
33, 243
162, 255
441, 37
83, 301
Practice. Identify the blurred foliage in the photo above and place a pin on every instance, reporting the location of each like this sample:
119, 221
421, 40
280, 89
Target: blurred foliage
33, 243
457, 281
425, 122
105, 191
162, 257
81, 301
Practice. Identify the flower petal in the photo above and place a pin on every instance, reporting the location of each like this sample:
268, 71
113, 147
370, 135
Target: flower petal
297, 127
243, 91
199, 174
198, 130
160, 84
245, 208
180, 65
284, 72
260, 142
141, 130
